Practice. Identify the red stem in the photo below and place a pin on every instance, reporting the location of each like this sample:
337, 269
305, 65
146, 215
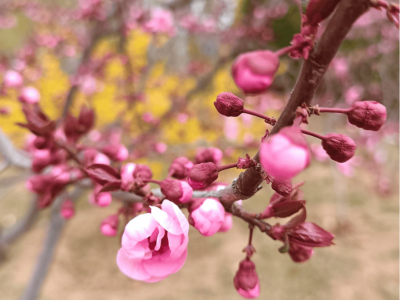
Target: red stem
246, 111
334, 110
313, 134
251, 227
287, 49
230, 166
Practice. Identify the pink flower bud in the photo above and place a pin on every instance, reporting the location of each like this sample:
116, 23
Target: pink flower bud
180, 168
143, 172
116, 152
67, 209
176, 191
368, 115
160, 147
206, 215
282, 187
127, 176
29, 95
12, 79
229, 105
246, 280
100, 158
100, 199
211, 154
41, 159
285, 154
109, 226
202, 175
339, 147
227, 224
253, 72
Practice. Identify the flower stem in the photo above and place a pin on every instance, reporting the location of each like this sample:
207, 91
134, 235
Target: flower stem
334, 110
321, 137
250, 112
285, 50
230, 166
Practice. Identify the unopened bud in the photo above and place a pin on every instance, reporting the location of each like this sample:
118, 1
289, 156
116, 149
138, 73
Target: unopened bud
339, 147
67, 209
176, 191
246, 280
202, 175
180, 167
253, 72
282, 187
368, 115
211, 154
109, 226
229, 105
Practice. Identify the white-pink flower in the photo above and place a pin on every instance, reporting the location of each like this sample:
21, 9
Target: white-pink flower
12, 79
161, 22
154, 245
207, 217
285, 154
30, 95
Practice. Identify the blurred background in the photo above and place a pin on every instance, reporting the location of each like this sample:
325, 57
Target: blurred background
151, 70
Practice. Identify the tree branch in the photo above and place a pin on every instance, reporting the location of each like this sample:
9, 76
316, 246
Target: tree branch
56, 226
12, 155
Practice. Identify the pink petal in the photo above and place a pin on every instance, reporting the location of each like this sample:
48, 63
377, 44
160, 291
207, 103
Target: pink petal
131, 268
161, 268
141, 227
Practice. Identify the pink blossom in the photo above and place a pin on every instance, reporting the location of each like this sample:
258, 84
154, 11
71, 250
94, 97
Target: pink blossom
182, 118
253, 72
127, 176
231, 129
285, 154
207, 216
161, 22
177, 191
109, 226
67, 209
154, 245
160, 147
100, 199
30, 95
227, 224
100, 158
88, 85
12, 79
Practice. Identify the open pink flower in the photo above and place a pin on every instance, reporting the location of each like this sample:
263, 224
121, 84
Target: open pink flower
154, 245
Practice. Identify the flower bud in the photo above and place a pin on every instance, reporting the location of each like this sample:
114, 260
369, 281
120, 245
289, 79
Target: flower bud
202, 175
253, 72
246, 280
12, 79
29, 95
180, 168
206, 215
285, 154
41, 159
127, 176
227, 224
109, 226
143, 172
368, 115
211, 154
116, 152
67, 209
282, 187
229, 105
339, 147
100, 199
176, 191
